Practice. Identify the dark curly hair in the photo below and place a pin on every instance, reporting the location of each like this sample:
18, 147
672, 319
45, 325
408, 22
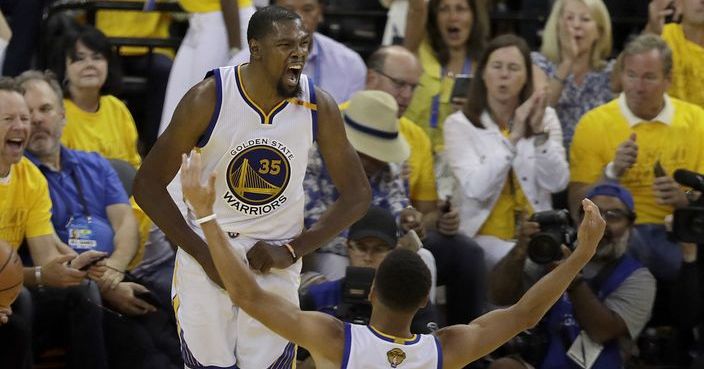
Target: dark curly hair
402, 280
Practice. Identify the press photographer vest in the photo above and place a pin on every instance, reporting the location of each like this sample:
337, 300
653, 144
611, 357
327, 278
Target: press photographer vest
563, 328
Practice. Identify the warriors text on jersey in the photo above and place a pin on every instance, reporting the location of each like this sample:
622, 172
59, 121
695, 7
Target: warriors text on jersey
260, 158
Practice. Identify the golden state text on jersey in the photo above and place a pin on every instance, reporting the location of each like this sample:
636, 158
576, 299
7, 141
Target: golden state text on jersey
259, 157
257, 176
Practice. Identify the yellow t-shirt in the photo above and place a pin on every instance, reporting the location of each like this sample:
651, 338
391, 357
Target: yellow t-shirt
422, 176
110, 131
510, 205
687, 67
25, 205
207, 6
677, 146
135, 24
432, 84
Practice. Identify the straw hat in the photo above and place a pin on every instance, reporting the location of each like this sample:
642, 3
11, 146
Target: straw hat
372, 126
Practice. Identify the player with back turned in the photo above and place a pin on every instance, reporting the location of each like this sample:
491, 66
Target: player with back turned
400, 288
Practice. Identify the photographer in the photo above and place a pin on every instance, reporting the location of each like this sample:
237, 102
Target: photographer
610, 302
369, 240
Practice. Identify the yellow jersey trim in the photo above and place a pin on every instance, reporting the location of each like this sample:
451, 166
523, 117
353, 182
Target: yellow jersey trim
399, 340
266, 118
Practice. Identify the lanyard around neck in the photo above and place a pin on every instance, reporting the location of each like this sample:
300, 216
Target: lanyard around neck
435, 103
81, 194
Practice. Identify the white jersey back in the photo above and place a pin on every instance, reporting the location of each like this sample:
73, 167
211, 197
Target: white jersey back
260, 159
367, 348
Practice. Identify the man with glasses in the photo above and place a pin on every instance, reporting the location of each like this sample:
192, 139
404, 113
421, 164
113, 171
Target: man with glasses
605, 307
397, 71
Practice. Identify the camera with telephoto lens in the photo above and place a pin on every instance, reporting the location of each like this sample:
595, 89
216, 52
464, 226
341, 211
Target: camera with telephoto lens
555, 230
355, 306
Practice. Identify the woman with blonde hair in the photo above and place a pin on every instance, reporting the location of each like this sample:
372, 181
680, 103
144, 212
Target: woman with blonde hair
572, 60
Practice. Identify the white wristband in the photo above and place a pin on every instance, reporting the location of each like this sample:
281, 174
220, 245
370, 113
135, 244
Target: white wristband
205, 219
610, 172
38, 276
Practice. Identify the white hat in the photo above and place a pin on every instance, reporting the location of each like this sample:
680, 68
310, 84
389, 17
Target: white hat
372, 126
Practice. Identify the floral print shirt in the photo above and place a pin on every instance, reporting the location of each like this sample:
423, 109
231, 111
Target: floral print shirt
577, 99
388, 192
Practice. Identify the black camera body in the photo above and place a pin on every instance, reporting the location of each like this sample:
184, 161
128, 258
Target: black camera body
688, 222
555, 230
355, 306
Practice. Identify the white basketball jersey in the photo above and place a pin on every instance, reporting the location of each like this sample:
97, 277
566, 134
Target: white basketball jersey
367, 348
260, 158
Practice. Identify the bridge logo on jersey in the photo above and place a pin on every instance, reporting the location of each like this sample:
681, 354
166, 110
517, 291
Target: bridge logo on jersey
257, 176
395, 356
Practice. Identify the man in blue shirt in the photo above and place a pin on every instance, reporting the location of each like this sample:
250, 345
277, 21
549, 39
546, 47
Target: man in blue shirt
91, 211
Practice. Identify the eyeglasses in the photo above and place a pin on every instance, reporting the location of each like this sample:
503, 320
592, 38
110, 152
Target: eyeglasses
398, 84
611, 215
361, 248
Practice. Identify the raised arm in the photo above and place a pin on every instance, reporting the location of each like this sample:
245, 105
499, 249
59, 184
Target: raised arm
658, 11
416, 18
463, 344
189, 121
347, 174
320, 333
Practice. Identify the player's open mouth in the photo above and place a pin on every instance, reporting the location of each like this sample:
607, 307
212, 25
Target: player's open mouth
293, 74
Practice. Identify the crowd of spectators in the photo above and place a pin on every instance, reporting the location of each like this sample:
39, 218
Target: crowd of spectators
465, 179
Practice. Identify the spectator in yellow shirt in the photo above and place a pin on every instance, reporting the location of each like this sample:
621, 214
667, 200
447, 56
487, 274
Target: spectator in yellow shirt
686, 40
639, 139
448, 36
25, 215
95, 120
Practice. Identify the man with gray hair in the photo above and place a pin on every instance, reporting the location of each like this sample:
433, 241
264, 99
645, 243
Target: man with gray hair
638, 140
90, 210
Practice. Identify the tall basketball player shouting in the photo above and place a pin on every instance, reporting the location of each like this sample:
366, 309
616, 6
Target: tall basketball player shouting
253, 125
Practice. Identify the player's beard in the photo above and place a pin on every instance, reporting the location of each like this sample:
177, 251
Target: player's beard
287, 92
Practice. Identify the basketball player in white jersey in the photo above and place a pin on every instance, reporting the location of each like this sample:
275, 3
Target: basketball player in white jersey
254, 124
399, 289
